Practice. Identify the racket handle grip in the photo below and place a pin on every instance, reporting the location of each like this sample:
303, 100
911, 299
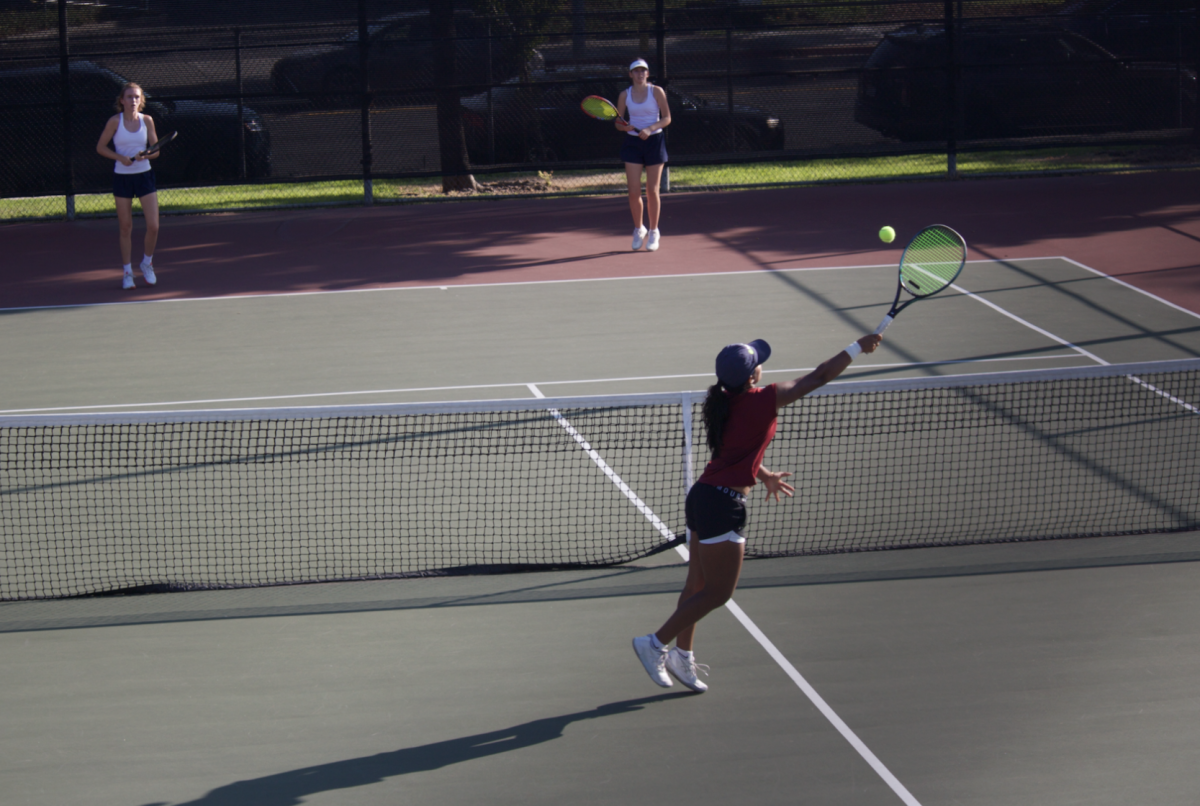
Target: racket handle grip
887, 320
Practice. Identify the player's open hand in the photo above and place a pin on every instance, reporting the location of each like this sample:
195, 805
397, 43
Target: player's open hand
775, 485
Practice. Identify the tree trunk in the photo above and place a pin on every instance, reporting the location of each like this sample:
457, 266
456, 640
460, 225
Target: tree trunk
452, 144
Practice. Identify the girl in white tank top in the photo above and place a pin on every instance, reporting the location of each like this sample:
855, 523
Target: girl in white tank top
641, 115
644, 149
130, 144
126, 135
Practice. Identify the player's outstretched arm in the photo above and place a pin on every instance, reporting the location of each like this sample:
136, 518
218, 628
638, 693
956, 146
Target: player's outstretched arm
789, 392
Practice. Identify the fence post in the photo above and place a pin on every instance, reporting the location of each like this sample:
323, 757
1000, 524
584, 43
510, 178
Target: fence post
578, 27
491, 110
365, 102
729, 81
237, 65
664, 184
1196, 67
951, 91
64, 67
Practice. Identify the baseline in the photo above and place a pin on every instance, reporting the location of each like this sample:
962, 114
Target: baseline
431, 287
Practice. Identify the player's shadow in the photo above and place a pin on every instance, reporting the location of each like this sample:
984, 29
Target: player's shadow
293, 787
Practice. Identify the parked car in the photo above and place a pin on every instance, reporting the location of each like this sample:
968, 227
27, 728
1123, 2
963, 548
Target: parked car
1016, 81
540, 121
31, 133
1158, 30
400, 59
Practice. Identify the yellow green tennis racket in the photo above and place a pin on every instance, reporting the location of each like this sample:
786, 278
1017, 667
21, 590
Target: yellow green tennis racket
931, 262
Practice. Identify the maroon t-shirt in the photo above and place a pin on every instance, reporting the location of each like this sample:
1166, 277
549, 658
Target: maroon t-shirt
748, 431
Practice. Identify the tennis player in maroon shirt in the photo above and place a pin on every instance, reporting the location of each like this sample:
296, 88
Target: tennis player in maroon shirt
740, 418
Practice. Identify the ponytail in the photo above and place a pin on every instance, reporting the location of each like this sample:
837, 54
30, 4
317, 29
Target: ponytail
716, 413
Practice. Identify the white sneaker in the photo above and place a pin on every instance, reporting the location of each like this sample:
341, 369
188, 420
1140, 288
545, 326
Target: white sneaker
684, 670
148, 273
639, 235
652, 243
127, 281
653, 659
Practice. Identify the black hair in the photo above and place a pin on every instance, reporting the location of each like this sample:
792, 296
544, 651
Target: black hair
716, 414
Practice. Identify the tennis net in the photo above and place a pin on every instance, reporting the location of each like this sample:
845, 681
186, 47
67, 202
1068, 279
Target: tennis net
208, 499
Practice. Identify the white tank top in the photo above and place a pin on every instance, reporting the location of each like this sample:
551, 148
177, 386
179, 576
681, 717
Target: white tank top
643, 115
129, 144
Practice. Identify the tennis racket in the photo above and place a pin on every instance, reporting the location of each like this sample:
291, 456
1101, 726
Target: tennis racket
154, 149
931, 262
599, 108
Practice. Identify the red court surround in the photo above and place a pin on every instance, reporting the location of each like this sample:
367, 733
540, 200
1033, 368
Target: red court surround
1143, 228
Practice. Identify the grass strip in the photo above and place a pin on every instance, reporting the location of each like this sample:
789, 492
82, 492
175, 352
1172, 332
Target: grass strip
806, 171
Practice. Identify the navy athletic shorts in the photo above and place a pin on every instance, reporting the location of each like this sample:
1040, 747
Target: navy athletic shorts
715, 511
134, 186
651, 151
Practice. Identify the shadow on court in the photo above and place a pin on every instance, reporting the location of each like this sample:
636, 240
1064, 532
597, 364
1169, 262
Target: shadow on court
1138, 222
292, 787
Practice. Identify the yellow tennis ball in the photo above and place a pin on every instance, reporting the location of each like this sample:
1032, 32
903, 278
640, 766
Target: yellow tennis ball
887, 234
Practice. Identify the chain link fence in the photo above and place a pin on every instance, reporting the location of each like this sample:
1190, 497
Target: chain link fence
372, 101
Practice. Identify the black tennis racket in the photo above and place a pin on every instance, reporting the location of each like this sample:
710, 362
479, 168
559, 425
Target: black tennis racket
931, 262
154, 149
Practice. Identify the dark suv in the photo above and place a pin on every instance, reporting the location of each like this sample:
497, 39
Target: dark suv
31, 134
1017, 81
1159, 30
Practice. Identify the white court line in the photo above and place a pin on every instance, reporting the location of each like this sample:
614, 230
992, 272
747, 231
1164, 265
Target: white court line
738, 613
1154, 297
431, 287
849, 735
1163, 393
641, 505
514, 384
1151, 387
1019, 320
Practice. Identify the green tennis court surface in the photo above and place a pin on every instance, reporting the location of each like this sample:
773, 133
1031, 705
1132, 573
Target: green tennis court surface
1050, 672
568, 338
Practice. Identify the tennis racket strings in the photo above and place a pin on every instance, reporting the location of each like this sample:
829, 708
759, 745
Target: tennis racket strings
932, 261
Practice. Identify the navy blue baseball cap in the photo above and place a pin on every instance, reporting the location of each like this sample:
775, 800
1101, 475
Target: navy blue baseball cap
736, 363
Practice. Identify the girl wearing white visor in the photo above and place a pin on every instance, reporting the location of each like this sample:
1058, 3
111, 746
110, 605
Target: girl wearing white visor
645, 107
